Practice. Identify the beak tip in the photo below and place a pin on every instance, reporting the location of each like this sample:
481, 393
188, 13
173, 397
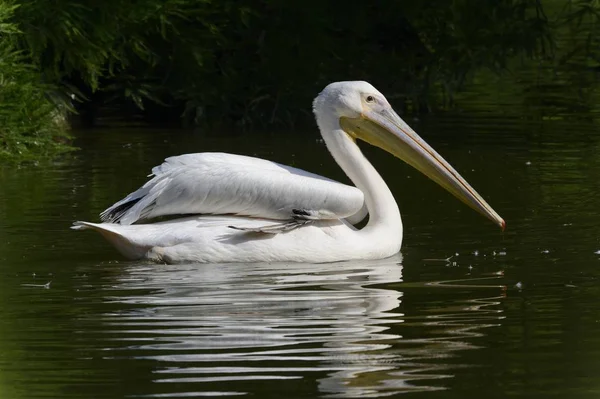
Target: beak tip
502, 224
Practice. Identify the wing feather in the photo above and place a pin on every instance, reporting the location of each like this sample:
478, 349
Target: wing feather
219, 184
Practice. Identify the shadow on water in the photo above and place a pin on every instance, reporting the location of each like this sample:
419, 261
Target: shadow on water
230, 330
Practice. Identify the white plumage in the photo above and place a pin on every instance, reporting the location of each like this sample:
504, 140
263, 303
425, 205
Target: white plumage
253, 210
210, 239
220, 183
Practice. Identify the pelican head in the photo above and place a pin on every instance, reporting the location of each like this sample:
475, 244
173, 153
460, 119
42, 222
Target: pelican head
362, 112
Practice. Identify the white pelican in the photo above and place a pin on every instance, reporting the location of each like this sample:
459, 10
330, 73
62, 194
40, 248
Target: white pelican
252, 210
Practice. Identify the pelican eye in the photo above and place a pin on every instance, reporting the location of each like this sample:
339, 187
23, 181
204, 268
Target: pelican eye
370, 99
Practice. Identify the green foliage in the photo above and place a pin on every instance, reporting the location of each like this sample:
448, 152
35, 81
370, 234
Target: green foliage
257, 63
559, 81
465, 36
31, 124
262, 61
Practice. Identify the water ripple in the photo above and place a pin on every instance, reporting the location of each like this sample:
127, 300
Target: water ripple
206, 326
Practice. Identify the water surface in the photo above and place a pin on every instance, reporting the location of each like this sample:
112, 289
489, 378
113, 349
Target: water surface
464, 311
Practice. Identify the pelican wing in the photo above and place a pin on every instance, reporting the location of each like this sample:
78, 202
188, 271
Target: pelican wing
219, 184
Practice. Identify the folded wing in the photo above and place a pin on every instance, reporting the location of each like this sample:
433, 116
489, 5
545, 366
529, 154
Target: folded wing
220, 184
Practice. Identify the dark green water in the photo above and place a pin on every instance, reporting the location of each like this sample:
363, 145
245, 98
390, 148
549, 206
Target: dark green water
509, 314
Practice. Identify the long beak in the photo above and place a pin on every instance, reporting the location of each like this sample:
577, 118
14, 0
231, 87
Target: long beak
386, 130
